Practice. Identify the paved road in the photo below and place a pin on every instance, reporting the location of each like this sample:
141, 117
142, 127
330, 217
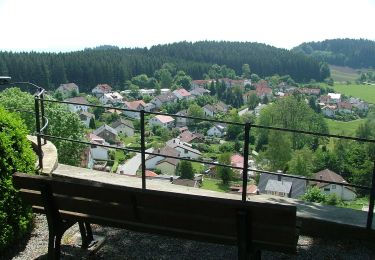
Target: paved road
131, 166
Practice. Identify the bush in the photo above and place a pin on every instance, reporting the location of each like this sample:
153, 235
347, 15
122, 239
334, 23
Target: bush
15, 155
314, 194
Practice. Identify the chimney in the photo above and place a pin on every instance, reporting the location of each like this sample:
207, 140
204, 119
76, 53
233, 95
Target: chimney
321, 177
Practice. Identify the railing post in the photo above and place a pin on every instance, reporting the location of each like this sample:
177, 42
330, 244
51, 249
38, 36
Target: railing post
42, 110
372, 198
37, 127
245, 161
143, 149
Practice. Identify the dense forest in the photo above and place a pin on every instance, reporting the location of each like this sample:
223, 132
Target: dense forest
341, 52
112, 65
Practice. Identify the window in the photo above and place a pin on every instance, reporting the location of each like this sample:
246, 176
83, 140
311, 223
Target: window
333, 186
326, 189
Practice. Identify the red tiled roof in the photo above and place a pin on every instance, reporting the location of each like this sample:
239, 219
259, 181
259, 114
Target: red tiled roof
345, 105
80, 100
236, 159
183, 92
164, 119
134, 104
150, 173
328, 175
104, 88
188, 136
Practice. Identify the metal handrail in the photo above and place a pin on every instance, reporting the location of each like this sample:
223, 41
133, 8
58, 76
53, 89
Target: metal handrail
245, 168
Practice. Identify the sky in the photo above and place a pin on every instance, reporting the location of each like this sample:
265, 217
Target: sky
68, 25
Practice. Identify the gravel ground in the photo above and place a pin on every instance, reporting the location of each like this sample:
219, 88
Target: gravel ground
124, 244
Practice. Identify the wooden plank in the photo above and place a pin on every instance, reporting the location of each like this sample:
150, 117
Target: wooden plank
195, 217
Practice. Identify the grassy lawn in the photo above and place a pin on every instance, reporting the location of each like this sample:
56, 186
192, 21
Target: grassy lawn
198, 167
130, 140
214, 184
343, 128
364, 92
343, 74
356, 204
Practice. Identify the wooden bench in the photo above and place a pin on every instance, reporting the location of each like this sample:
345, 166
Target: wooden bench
250, 225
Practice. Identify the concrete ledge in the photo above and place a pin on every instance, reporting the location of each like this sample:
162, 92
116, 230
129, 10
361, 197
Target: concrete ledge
50, 156
316, 219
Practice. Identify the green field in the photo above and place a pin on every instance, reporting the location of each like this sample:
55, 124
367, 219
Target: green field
364, 92
214, 185
343, 128
343, 74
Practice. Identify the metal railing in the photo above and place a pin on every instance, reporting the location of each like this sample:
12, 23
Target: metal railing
41, 133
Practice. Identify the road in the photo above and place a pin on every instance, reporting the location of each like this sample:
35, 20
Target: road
131, 166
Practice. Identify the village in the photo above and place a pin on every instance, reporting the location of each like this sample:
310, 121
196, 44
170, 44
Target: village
180, 137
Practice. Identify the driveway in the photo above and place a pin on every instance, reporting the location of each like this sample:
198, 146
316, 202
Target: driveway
131, 166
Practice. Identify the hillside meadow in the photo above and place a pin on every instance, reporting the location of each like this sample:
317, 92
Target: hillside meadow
364, 92
343, 128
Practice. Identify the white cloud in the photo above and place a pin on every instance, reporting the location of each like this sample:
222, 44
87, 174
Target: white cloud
75, 24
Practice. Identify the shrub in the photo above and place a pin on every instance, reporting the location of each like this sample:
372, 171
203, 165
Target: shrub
314, 194
15, 155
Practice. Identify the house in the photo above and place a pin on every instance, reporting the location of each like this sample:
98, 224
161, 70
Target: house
164, 99
280, 186
111, 98
67, 90
164, 121
182, 121
324, 99
252, 189
235, 82
329, 110
221, 107
359, 104
263, 91
309, 91
334, 98
123, 126
86, 117
152, 160
237, 160
150, 174
101, 89
345, 107
107, 133
189, 137
98, 152
137, 105
200, 83
182, 93
185, 149
167, 166
341, 191
78, 107
197, 92
209, 110
217, 130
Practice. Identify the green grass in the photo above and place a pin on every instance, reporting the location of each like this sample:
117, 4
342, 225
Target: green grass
356, 204
197, 167
214, 185
364, 92
343, 128
343, 74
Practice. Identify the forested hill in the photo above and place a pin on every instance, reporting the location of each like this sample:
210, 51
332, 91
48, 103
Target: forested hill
341, 52
114, 66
